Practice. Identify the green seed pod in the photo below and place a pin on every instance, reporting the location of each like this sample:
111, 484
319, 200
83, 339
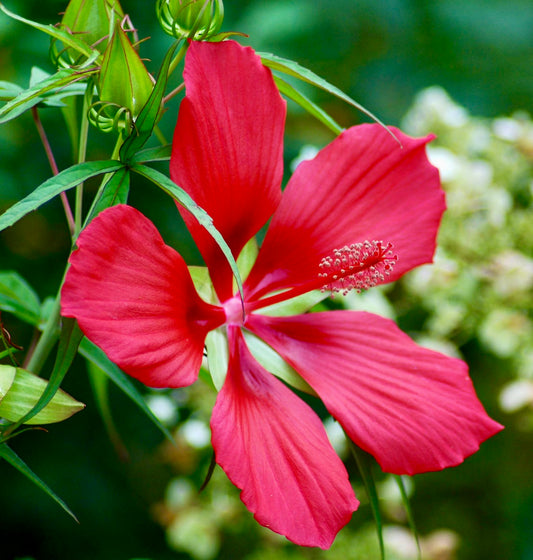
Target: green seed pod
19, 392
193, 19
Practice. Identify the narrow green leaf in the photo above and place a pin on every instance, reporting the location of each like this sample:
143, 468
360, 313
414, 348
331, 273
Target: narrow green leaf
407, 505
19, 298
312, 108
92, 353
160, 153
115, 191
69, 340
66, 38
145, 122
55, 98
163, 182
292, 68
53, 87
65, 180
364, 465
15, 461
24, 393
9, 90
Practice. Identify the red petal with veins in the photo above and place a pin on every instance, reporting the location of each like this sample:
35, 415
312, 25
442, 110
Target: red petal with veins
413, 409
227, 151
362, 186
133, 297
274, 447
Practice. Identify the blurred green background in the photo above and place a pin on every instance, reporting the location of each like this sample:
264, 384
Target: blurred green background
476, 301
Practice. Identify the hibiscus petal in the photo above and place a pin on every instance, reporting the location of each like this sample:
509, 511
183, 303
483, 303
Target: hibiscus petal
362, 186
227, 151
413, 409
274, 447
133, 297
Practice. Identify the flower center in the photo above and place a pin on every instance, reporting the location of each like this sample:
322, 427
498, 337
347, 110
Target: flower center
358, 266
233, 308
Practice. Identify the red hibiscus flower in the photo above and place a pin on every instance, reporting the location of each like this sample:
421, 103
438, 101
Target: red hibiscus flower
364, 211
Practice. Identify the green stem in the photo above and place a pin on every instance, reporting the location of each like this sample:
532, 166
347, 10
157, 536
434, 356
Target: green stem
178, 58
82, 152
47, 340
105, 179
159, 135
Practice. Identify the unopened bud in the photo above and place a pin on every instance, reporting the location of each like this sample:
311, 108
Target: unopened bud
19, 392
192, 19
124, 80
92, 22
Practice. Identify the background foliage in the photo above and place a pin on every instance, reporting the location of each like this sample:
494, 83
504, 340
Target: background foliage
139, 499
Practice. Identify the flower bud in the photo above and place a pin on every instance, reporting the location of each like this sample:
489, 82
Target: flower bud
19, 392
124, 80
92, 21
193, 19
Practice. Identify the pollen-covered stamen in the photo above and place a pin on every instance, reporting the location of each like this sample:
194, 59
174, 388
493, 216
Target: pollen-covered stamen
358, 266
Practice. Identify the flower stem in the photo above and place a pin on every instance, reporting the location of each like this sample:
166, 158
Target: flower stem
46, 342
178, 58
53, 165
82, 152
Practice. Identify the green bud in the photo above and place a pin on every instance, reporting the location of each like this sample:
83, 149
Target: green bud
193, 19
124, 80
92, 21
19, 392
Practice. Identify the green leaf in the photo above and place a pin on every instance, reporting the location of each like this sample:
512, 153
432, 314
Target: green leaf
24, 393
160, 153
66, 38
19, 298
55, 98
9, 90
65, 180
275, 364
312, 108
15, 461
69, 340
364, 464
115, 191
407, 505
54, 87
145, 122
163, 182
292, 68
92, 353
